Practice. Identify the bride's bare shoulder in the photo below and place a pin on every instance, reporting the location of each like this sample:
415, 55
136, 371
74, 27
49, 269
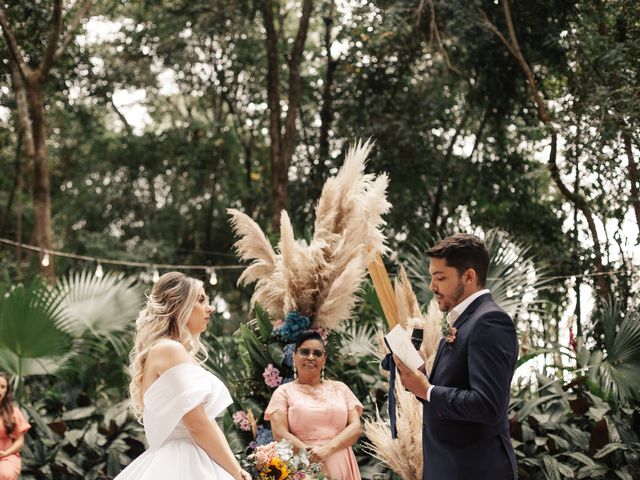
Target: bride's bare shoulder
166, 353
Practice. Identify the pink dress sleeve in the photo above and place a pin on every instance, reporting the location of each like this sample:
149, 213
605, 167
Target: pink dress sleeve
279, 401
21, 423
350, 399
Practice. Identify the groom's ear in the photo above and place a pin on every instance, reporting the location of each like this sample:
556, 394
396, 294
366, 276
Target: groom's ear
470, 277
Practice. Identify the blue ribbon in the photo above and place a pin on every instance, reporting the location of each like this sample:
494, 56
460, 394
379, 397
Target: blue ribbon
389, 365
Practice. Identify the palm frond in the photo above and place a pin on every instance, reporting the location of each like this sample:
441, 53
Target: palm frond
358, 339
514, 278
102, 307
33, 322
25, 367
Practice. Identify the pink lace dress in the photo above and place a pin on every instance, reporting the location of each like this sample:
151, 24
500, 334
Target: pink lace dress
316, 414
10, 465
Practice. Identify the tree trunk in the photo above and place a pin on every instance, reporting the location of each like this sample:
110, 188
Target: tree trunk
326, 112
42, 232
283, 144
28, 84
273, 100
15, 187
633, 179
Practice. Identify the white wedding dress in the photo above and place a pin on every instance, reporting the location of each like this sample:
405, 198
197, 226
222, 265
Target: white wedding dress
172, 453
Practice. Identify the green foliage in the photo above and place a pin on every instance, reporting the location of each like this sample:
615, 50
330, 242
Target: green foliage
91, 442
563, 431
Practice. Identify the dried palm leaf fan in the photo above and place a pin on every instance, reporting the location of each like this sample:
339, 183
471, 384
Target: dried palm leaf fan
319, 280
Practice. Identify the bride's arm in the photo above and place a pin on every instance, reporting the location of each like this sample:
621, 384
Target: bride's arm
280, 429
209, 437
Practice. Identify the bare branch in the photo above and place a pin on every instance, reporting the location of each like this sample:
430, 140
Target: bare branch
14, 50
294, 79
435, 34
581, 204
513, 47
52, 40
73, 27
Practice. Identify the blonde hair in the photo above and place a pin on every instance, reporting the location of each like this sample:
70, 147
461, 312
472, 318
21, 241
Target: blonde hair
165, 315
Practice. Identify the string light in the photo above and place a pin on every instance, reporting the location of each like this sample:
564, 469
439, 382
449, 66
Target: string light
156, 275
108, 261
213, 279
99, 273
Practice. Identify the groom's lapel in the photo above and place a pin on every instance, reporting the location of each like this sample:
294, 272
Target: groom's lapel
470, 310
457, 324
438, 355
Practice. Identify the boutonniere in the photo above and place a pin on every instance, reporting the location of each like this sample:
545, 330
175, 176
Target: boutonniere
449, 333
450, 337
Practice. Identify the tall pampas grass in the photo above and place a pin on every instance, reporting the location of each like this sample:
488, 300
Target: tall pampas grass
404, 454
320, 279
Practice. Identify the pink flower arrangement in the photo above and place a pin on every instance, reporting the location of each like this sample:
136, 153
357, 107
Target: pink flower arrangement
272, 376
241, 419
264, 453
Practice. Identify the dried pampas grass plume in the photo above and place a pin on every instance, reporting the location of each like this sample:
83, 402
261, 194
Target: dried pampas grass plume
432, 333
404, 454
320, 279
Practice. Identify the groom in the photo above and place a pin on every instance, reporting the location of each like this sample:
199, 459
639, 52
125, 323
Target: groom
465, 432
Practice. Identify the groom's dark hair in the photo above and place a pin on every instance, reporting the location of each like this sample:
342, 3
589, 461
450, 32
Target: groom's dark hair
463, 251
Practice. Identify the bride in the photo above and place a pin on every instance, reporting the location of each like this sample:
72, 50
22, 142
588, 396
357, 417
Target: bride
174, 396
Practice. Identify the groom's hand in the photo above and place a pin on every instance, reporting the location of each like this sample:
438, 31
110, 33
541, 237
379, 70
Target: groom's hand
413, 380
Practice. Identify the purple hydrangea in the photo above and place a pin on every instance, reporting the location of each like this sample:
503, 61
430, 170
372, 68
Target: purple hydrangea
264, 435
288, 354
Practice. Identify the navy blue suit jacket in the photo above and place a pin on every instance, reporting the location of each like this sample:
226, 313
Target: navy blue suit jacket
466, 430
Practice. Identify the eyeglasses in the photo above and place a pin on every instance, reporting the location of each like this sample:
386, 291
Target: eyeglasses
305, 352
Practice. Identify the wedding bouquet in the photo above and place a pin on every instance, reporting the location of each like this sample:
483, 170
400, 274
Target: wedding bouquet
277, 461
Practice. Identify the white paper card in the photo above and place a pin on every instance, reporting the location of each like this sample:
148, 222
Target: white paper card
399, 341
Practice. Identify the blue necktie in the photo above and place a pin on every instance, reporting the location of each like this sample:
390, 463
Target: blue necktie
389, 365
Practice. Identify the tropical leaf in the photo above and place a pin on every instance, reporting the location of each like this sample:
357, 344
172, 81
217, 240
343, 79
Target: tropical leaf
513, 278
616, 370
33, 322
101, 306
25, 367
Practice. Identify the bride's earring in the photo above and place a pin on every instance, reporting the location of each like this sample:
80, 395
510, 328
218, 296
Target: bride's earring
295, 372
322, 373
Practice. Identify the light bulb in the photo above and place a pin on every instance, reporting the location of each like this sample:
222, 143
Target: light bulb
213, 279
99, 272
156, 275
45, 260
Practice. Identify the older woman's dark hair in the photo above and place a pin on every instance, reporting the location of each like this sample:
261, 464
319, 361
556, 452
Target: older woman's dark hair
6, 407
463, 251
308, 335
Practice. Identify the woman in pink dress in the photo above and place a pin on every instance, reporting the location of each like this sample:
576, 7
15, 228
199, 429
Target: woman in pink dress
12, 428
317, 415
